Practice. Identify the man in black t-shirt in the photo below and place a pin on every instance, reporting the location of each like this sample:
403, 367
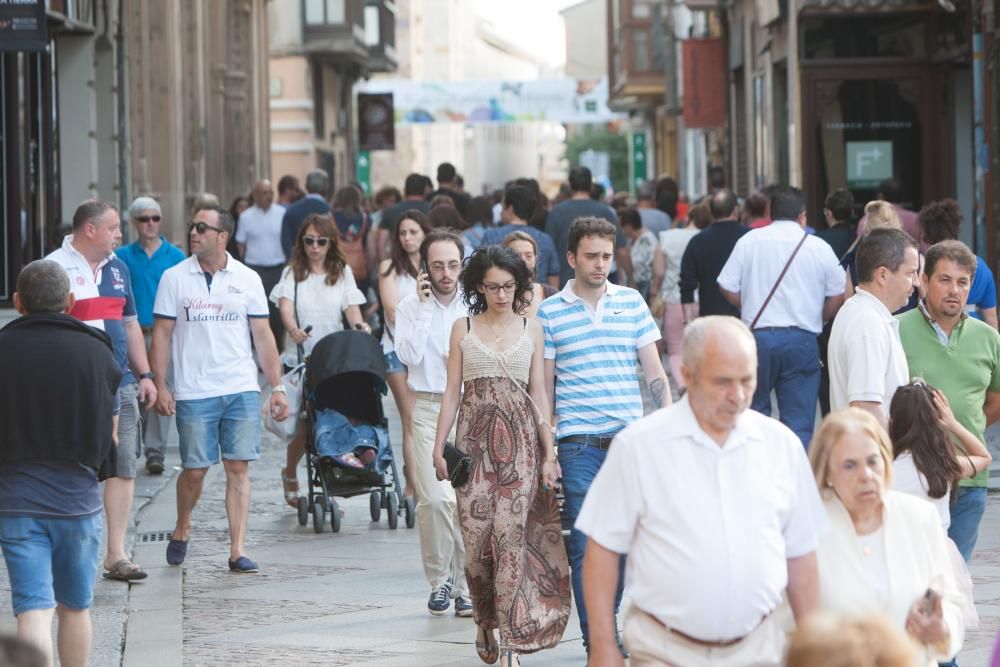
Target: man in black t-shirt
448, 185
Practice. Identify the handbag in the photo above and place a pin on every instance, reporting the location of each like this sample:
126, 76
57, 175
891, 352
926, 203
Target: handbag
293, 381
459, 465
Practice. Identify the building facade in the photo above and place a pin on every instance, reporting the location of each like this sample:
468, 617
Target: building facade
837, 93
129, 97
319, 50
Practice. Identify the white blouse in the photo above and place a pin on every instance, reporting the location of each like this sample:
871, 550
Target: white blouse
318, 305
906, 478
405, 285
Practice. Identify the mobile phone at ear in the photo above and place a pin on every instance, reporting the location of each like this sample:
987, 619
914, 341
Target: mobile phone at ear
426, 285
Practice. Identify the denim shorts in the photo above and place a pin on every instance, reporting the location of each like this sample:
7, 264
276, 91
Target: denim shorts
228, 424
51, 561
393, 365
129, 432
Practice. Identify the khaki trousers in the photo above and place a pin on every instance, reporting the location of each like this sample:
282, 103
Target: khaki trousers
652, 644
441, 545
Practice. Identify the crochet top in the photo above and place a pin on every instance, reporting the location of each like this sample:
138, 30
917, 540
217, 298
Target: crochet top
479, 361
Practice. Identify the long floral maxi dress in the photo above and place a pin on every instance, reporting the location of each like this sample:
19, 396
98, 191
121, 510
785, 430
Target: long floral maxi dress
515, 561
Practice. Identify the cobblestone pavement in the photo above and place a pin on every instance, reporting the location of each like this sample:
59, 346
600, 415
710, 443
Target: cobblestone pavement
357, 597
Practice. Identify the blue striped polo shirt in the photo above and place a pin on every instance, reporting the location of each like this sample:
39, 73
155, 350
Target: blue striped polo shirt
597, 385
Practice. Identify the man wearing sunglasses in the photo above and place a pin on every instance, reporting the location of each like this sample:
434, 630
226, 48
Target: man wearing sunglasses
208, 311
147, 258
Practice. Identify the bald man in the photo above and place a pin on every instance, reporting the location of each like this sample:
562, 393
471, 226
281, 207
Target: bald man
258, 238
688, 493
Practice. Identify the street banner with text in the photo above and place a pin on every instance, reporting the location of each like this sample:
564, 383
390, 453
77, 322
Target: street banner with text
553, 100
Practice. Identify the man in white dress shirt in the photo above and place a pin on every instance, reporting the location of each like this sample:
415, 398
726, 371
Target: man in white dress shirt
258, 237
717, 509
786, 327
423, 329
867, 360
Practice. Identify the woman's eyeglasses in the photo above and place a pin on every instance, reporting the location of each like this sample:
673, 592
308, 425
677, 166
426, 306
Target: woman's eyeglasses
493, 288
321, 241
202, 227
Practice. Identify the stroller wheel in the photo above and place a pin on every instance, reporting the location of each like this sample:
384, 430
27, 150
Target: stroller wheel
319, 516
334, 516
303, 508
410, 512
375, 505
393, 511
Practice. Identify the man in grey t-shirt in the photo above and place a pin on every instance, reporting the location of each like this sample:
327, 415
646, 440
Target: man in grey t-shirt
653, 218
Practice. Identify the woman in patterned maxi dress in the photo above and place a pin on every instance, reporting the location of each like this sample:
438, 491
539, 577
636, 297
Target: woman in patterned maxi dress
516, 563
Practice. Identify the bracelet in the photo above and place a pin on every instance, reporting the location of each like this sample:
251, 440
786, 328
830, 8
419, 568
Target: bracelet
278, 388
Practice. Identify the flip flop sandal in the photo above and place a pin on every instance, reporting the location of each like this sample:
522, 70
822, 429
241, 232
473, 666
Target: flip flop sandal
290, 486
125, 570
486, 646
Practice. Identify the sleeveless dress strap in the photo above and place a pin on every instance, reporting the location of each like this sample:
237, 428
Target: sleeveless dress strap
468, 324
525, 321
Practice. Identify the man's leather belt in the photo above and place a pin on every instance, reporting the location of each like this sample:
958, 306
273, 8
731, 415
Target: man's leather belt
599, 441
704, 642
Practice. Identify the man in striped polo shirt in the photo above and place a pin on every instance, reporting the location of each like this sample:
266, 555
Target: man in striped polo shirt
594, 331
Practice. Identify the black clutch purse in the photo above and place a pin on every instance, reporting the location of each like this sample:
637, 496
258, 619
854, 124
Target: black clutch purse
459, 465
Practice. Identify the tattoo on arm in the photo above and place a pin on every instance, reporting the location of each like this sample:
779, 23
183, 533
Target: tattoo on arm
658, 388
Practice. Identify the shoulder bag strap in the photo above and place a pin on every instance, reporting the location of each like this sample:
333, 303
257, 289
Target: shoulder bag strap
753, 325
295, 307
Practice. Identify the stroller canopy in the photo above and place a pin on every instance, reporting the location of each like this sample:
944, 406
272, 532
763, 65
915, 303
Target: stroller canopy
345, 352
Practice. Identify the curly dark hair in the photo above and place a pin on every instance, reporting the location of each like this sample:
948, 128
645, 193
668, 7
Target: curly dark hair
940, 221
914, 427
504, 259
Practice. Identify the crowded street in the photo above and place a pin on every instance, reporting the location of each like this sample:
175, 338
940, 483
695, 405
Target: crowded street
617, 333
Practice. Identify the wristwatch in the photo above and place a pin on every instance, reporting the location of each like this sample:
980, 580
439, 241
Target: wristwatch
148, 375
280, 388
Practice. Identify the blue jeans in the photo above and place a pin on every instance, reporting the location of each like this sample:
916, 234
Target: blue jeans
51, 561
788, 363
580, 464
965, 516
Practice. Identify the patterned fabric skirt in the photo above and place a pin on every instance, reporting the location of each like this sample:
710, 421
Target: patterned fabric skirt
515, 560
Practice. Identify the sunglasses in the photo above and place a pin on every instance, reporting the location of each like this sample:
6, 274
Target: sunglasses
321, 241
202, 227
148, 218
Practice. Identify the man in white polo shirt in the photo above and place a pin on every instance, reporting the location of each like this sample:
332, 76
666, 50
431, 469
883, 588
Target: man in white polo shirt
594, 332
423, 330
785, 321
867, 360
717, 509
208, 309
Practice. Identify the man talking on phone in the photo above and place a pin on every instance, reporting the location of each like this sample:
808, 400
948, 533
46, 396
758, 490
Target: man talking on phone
423, 327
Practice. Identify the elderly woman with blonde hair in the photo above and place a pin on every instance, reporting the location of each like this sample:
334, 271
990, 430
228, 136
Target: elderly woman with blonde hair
886, 551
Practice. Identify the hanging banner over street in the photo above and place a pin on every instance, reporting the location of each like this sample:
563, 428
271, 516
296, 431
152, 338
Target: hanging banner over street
22, 25
705, 83
554, 100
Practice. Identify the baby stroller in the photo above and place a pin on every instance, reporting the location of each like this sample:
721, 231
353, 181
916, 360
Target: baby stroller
344, 385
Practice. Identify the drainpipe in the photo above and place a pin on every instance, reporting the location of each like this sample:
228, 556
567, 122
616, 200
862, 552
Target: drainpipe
121, 82
981, 149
